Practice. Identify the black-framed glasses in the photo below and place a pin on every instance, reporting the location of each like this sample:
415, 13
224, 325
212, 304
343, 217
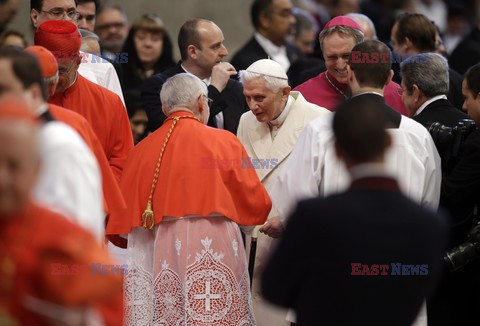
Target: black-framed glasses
58, 13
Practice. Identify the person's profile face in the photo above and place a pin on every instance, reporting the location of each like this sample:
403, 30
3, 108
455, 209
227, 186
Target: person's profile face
86, 15
472, 102
212, 49
336, 50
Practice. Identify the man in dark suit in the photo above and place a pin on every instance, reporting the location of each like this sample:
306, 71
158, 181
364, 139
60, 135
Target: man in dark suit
425, 84
456, 300
467, 52
202, 50
413, 34
273, 21
338, 262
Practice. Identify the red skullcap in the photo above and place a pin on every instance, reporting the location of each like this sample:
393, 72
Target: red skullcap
47, 61
343, 21
13, 108
60, 37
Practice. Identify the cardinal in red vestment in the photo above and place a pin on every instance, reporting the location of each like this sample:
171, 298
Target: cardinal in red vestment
103, 109
188, 193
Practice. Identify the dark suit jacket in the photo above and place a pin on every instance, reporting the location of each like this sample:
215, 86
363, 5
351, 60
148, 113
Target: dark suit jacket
466, 53
230, 101
440, 111
252, 51
371, 223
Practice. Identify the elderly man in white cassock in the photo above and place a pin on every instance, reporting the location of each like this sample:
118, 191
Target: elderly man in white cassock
268, 132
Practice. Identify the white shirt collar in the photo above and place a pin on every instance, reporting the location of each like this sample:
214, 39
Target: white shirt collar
281, 118
206, 80
427, 102
41, 109
276, 53
369, 170
363, 93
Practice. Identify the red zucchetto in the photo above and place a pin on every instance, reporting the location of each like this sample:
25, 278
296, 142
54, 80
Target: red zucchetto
60, 37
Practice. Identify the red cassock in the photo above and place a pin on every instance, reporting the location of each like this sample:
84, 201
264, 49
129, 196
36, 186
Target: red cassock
319, 91
51, 260
201, 173
113, 198
106, 114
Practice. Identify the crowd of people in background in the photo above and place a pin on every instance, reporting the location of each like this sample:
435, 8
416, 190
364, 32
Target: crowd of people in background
263, 187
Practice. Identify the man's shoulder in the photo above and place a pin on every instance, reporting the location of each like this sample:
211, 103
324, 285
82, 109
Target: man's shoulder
301, 105
100, 91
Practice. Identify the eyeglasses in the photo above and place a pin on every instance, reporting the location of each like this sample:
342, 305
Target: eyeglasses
60, 13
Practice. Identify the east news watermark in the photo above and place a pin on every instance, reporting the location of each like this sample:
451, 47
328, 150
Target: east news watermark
59, 269
239, 163
393, 269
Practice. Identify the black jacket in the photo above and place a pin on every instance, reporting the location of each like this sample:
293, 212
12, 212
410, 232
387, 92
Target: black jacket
230, 101
252, 51
371, 223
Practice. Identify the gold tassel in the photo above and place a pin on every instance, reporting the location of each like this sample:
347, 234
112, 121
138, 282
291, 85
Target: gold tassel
148, 216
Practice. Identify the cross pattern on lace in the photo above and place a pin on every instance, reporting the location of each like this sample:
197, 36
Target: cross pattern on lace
207, 296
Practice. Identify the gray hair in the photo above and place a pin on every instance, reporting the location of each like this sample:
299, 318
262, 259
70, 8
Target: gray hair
429, 71
87, 34
359, 18
343, 30
273, 83
304, 21
181, 90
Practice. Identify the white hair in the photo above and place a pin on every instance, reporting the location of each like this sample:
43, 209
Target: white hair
275, 84
181, 90
359, 18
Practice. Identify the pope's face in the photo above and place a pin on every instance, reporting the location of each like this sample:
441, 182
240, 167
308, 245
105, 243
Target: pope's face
264, 103
54, 10
19, 165
336, 49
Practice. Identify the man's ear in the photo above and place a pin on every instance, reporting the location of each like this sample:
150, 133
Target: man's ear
415, 92
408, 45
264, 20
192, 51
201, 104
285, 92
350, 74
34, 17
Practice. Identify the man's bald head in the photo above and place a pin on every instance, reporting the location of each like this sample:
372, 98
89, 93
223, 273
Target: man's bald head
19, 156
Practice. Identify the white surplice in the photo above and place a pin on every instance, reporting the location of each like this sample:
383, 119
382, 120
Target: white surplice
101, 72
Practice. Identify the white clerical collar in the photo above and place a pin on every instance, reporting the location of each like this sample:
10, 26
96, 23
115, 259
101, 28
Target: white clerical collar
276, 53
427, 102
363, 93
206, 80
41, 109
369, 170
281, 118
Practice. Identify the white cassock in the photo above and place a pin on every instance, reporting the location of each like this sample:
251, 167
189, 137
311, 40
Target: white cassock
313, 168
70, 181
273, 145
101, 72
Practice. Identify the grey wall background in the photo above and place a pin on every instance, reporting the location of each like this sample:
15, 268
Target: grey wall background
232, 16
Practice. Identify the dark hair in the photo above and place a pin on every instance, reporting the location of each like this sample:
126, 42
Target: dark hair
258, 8
472, 76
132, 71
97, 3
359, 129
38, 4
11, 32
25, 66
188, 35
419, 30
371, 61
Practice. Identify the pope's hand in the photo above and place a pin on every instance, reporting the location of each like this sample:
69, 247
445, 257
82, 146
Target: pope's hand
221, 73
273, 228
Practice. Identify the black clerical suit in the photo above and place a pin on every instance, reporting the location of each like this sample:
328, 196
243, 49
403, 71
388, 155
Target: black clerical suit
371, 223
230, 101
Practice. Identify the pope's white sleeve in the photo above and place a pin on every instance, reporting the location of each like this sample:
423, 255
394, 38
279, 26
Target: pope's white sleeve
300, 176
433, 180
70, 183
